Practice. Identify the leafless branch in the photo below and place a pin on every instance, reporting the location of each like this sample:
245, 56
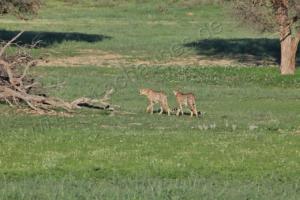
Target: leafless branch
16, 84
10, 42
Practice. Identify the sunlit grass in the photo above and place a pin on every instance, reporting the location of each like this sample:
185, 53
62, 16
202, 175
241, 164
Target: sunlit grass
245, 145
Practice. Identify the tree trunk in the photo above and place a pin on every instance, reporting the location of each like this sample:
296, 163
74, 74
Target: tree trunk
288, 42
289, 48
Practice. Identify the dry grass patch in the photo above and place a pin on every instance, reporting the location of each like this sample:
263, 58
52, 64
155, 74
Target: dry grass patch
87, 57
108, 59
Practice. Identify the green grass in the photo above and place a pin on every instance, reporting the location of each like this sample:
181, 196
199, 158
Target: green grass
136, 30
245, 146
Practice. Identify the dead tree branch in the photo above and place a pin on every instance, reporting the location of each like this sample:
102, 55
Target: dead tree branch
16, 85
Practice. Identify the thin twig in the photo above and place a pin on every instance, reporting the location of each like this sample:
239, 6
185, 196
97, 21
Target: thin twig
9, 43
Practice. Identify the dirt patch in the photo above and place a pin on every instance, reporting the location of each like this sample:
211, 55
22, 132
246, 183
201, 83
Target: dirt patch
85, 58
199, 61
187, 61
108, 59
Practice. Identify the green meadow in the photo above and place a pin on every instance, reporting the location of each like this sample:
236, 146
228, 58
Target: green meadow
245, 144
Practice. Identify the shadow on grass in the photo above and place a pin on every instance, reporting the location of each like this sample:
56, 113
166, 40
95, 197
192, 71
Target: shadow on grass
49, 38
248, 50
174, 111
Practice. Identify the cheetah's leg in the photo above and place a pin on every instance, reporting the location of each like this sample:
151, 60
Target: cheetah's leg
148, 108
169, 112
167, 109
195, 111
161, 110
151, 108
179, 110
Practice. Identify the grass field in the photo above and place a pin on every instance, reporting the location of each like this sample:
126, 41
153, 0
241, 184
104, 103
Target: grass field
245, 146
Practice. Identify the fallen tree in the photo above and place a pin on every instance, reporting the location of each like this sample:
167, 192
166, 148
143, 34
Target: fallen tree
17, 88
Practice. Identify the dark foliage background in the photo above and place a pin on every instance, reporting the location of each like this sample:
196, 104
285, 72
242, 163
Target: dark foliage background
20, 8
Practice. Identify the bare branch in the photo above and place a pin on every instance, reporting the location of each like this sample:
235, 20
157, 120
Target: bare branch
16, 86
30, 64
8, 71
10, 42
